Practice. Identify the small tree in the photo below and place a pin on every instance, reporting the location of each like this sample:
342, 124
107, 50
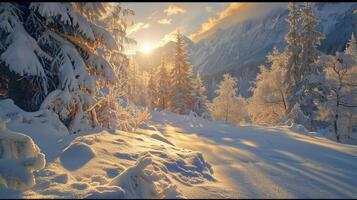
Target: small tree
163, 86
200, 102
269, 101
153, 90
227, 106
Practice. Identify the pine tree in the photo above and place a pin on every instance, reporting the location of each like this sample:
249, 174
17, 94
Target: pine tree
293, 49
163, 86
309, 90
24, 60
310, 39
200, 102
68, 51
181, 80
153, 88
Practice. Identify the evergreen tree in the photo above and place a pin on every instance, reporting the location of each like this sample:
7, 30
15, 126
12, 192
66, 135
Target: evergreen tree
310, 39
153, 88
200, 102
181, 80
309, 90
163, 86
293, 49
68, 51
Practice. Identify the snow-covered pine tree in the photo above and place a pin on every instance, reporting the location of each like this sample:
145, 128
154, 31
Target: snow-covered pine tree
153, 88
227, 106
269, 100
70, 51
309, 91
181, 80
23, 60
293, 49
163, 86
82, 46
200, 102
310, 39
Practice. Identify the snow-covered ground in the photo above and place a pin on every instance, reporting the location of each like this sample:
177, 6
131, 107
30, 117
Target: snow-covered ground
181, 156
262, 162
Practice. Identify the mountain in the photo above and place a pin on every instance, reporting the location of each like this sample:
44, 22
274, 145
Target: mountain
145, 61
240, 48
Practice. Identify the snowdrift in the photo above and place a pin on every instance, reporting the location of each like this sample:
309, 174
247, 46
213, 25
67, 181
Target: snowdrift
96, 164
19, 158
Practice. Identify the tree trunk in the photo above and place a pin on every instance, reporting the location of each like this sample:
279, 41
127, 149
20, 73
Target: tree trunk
336, 117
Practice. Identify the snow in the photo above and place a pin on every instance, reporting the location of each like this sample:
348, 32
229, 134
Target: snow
263, 162
174, 156
76, 155
19, 157
22, 54
43, 126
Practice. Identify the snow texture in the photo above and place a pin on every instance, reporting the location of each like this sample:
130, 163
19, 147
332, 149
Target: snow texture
207, 160
19, 158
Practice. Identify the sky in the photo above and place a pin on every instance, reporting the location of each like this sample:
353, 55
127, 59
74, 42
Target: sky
154, 24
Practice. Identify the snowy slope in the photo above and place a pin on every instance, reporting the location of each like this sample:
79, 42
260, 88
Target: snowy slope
264, 162
175, 156
252, 39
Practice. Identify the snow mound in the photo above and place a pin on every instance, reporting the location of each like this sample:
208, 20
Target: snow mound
76, 155
42, 126
107, 192
138, 183
19, 158
157, 136
188, 167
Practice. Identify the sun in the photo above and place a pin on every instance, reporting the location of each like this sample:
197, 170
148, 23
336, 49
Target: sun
147, 48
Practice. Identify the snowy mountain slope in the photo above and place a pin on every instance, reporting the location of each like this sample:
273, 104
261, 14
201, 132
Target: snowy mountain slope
239, 49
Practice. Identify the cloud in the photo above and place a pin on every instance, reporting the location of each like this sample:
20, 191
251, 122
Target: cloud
169, 37
174, 9
136, 27
152, 16
164, 21
232, 13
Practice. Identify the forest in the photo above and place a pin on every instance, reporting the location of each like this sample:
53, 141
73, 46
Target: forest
77, 110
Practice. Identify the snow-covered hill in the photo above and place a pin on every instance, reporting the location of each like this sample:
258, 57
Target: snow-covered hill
183, 156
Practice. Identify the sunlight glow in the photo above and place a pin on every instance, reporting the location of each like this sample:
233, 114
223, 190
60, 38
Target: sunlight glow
147, 48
